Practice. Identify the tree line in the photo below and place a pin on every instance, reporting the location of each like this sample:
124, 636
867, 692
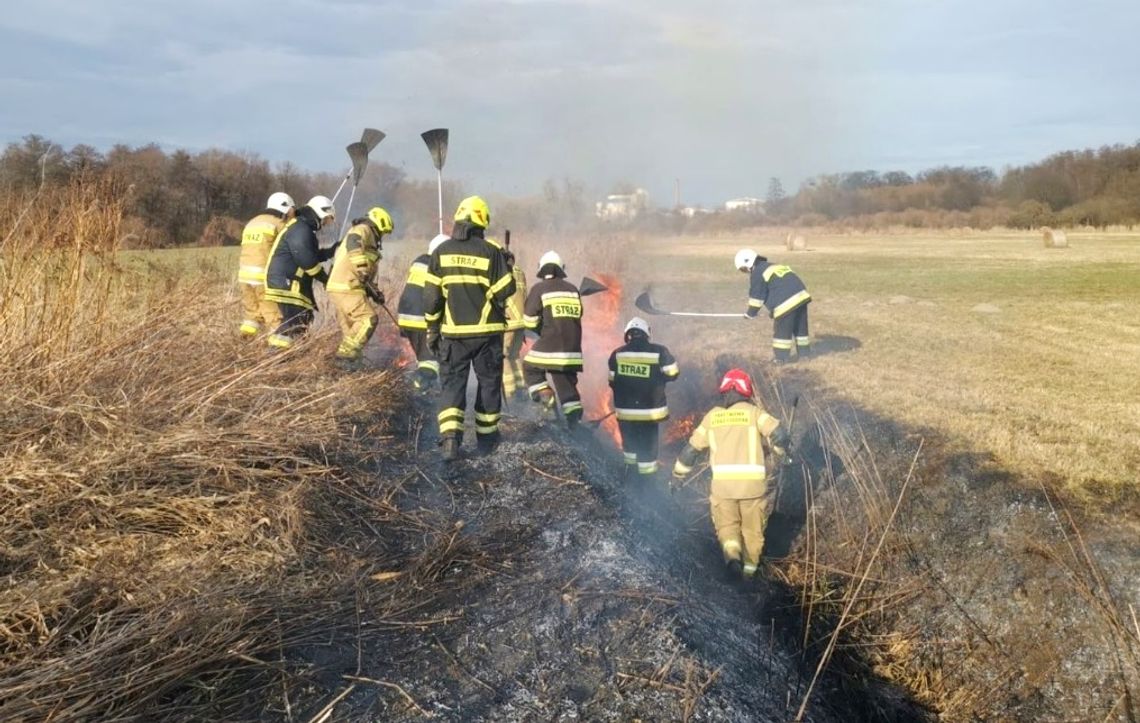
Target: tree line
180, 198
1075, 188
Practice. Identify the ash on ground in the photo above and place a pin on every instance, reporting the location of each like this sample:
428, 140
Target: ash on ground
598, 599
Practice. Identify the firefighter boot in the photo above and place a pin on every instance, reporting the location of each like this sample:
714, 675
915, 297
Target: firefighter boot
733, 570
485, 444
449, 447
546, 401
573, 417
423, 380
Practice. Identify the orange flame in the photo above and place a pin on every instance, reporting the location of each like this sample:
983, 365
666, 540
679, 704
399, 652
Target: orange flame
387, 348
679, 429
601, 334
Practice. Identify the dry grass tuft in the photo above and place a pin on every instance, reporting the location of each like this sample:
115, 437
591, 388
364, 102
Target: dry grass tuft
178, 510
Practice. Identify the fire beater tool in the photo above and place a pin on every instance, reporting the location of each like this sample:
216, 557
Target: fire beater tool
436, 141
370, 138
787, 461
358, 153
645, 303
595, 423
590, 286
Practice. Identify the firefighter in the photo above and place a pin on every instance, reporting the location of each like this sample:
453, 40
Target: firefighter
410, 317
779, 288
465, 291
294, 264
639, 371
553, 310
352, 282
736, 434
256, 240
513, 380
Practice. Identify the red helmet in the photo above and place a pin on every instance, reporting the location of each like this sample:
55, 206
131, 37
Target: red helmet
736, 380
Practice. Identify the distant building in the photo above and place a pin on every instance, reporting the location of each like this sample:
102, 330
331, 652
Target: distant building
623, 206
746, 204
691, 211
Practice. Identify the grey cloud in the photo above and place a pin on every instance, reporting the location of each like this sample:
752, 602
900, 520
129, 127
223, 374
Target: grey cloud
722, 95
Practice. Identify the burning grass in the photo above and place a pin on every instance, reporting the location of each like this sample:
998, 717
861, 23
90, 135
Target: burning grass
180, 512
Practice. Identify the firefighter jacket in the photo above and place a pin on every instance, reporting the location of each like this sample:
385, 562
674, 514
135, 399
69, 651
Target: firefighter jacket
467, 285
777, 287
410, 309
256, 240
639, 372
295, 261
517, 301
355, 260
735, 438
553, 309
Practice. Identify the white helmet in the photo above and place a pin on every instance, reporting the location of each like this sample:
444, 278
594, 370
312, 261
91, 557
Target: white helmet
745, 258
638, 324
280, 201
551, 257
435, 242
323, 207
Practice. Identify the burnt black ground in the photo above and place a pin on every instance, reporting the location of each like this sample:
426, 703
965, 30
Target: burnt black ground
1022, 599
579, 596
605, 601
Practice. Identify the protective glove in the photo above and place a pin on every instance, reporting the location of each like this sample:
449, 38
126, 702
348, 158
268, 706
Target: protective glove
374, 293
433, 340
781, 437
322, 277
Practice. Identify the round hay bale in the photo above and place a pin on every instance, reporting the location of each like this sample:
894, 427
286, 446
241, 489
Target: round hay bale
1054, 238
796, 242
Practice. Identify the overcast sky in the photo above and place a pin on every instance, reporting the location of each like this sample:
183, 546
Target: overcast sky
722, 95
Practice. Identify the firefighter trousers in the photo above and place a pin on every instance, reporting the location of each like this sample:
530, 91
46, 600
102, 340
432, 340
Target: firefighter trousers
484, 355
513, 378
258, 315
295, 321
790, 330
565, 388
427, 366
357, 321
740, 529
639, 445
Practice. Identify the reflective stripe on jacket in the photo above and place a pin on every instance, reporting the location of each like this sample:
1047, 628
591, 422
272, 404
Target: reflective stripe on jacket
410, 309
777, 287
256, 240
733, 437
294, 261
355, 258
553, 308
517, 301
639, 372
467, 285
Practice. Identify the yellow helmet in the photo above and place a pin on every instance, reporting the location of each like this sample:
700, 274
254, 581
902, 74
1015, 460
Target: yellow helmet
474, 209
381, 218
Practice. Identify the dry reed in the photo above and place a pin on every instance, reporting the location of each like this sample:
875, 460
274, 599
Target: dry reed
178, 510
